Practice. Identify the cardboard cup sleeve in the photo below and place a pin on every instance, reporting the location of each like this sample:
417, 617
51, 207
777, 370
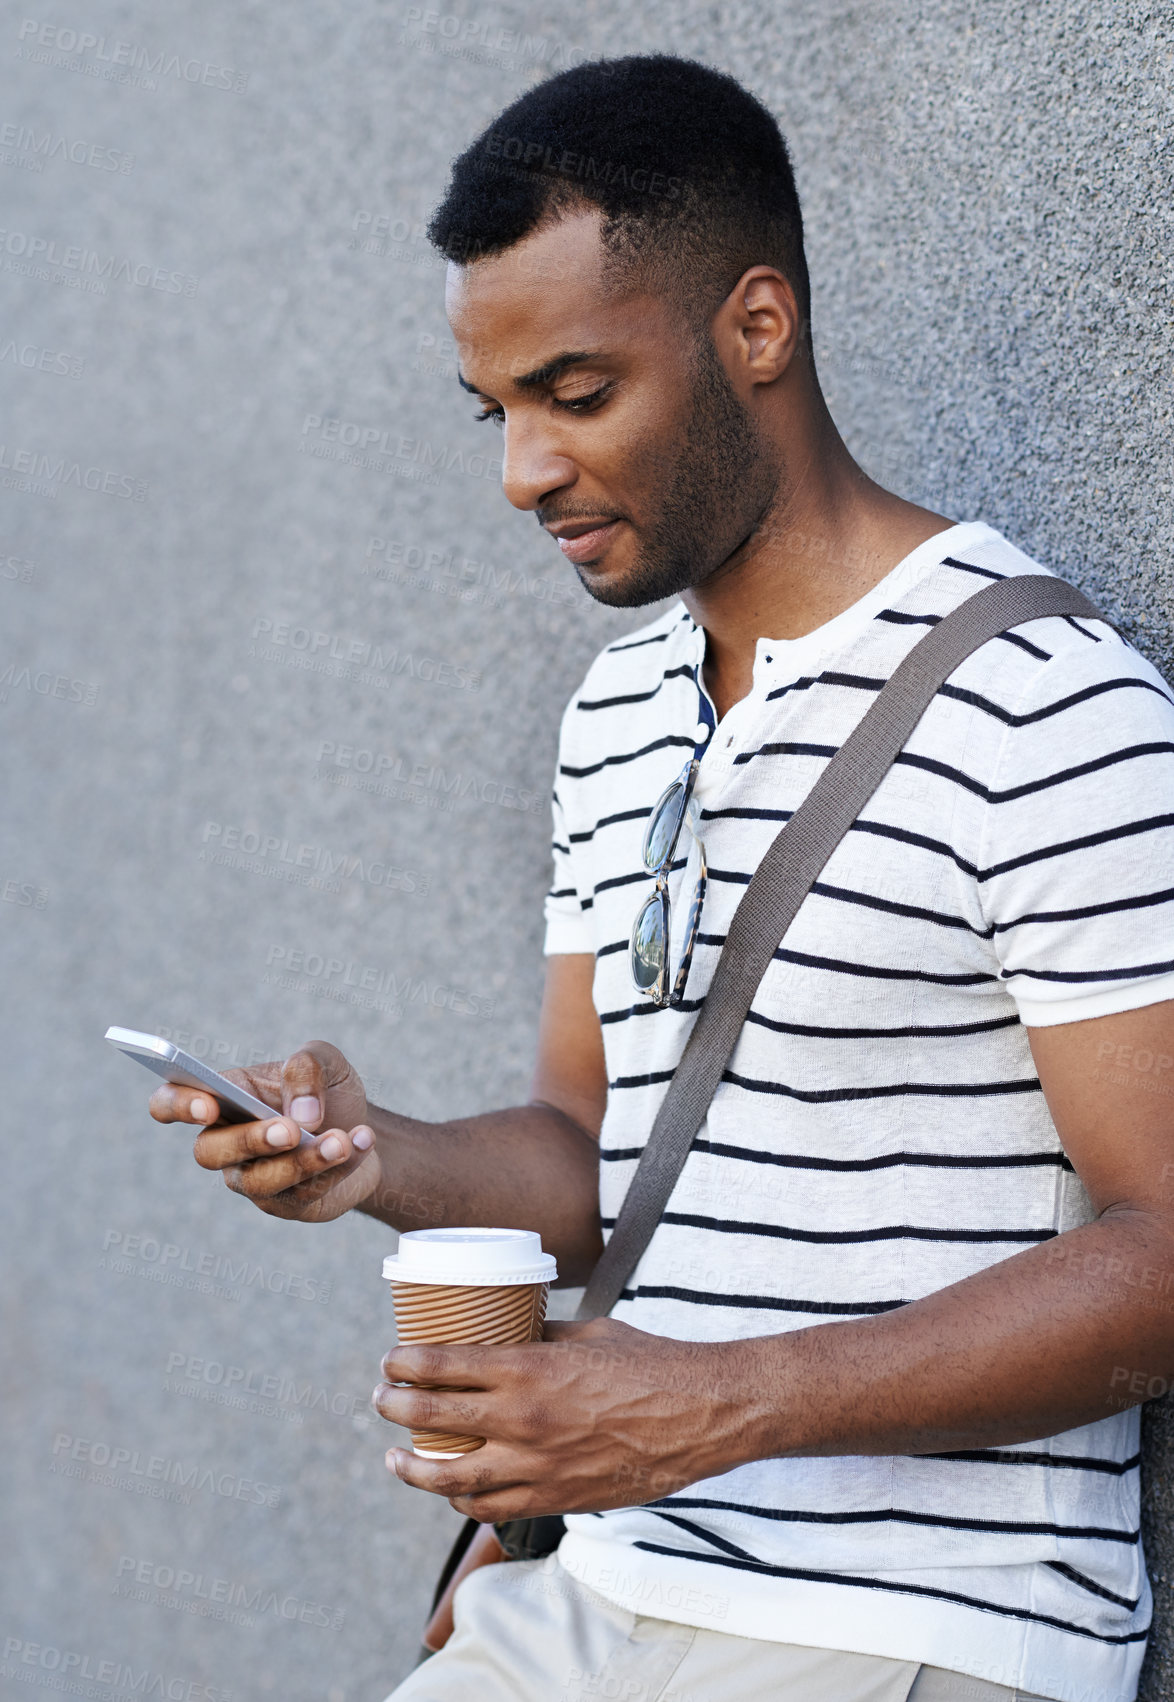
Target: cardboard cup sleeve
427, 1312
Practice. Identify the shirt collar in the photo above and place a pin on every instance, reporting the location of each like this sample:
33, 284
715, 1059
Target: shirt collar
791, 657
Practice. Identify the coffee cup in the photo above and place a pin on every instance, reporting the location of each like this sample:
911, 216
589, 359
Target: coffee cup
462, 1286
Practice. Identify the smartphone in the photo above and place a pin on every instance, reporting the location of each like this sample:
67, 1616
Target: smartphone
237, 1104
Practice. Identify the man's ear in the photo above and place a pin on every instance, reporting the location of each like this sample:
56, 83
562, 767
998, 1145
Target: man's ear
759, 327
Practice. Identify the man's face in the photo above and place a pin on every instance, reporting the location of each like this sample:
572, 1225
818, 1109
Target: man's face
623, 433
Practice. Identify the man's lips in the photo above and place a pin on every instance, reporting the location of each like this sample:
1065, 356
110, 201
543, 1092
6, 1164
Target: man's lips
582, 540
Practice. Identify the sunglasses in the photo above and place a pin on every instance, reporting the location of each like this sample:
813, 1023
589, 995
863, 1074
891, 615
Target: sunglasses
649, 949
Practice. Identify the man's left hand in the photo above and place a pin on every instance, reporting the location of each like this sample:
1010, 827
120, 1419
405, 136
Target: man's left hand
596, 1415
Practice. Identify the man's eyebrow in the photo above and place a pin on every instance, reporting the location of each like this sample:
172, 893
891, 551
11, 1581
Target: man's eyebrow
540, 375
552, 369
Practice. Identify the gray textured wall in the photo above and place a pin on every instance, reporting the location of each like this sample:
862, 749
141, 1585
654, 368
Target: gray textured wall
987, 192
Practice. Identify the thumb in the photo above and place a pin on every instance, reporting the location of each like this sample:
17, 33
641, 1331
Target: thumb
303, 1086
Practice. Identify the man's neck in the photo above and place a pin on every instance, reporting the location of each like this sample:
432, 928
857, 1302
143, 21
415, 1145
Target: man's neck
833, 536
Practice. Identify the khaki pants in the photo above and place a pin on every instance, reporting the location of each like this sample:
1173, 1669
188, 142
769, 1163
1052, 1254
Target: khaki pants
527, 1631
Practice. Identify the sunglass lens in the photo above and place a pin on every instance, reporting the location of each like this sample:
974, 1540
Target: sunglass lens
663, 827
649, 944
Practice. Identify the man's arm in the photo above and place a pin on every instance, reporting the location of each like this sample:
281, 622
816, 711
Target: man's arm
1065, 1334
1062, 1335
532, 1167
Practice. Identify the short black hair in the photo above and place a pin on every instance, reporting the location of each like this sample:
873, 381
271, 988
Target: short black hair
690, 171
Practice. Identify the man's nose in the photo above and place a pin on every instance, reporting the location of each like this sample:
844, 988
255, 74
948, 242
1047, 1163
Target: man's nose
532, 467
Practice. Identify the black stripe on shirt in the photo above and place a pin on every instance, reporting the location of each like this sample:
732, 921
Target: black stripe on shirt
887, 1090
786, 747
1033, 1457
641, 875
761, 1302
891, 907
849, 1166
931, 765
906, 1516
803, 683
808, 1575
653, 1078
817, 1031
867, 971
695, 1530
898, 618
946, 771
746, 813
968, 567
1129, 1602
612, 947
1142, 902
685, 671
882, 830
1127, 830
856, 1237
1029, 717
734, 877
641, 814
687, 1007
855, 682
845, 1166
666, 743
975, 700
1133, 972
909, 1031
885, 1161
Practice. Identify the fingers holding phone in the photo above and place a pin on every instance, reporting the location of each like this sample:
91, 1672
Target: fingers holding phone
280, 1168
313, 1161
221, 1145
311, 1180
317, 1160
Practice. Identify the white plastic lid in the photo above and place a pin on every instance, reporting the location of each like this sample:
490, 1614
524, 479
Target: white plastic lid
470, 1257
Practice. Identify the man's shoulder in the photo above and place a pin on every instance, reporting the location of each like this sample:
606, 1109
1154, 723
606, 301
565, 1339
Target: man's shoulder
1041, 664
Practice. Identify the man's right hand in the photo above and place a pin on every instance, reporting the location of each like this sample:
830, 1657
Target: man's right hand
316, 1088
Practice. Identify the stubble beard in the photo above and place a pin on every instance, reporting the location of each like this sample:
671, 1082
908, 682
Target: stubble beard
718, 490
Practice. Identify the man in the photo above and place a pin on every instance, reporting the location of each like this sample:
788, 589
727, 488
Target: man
864, 1425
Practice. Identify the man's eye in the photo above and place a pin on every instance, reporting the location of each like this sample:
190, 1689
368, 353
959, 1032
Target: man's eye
581, 404
569, 404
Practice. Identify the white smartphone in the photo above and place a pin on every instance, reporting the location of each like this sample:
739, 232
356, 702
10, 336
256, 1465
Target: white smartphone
237, 1104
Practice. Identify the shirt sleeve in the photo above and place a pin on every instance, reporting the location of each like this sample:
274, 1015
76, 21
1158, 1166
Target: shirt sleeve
1076, 860
567, 928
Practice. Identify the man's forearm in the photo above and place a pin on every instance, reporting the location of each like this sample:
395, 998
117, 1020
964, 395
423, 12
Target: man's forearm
530, 1167
1057, 1337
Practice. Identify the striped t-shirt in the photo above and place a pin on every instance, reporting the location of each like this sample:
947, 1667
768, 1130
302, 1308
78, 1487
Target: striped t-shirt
880, 1131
